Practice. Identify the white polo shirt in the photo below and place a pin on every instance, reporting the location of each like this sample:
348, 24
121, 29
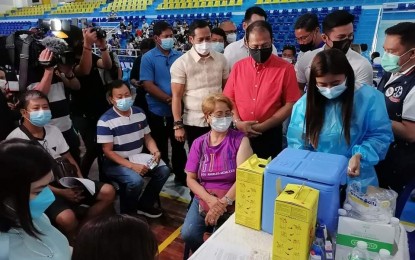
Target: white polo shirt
237, 51
362, 68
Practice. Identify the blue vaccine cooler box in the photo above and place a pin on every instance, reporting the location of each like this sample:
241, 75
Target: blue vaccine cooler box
322, 171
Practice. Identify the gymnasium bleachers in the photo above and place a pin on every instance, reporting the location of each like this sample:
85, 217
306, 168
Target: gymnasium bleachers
79, 7
7, 28
283, 22
282, 13
30, 11
259, 2
127, 5
186, 4
189, 18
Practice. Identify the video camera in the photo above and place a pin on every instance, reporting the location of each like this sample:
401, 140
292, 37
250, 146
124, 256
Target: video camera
101, 33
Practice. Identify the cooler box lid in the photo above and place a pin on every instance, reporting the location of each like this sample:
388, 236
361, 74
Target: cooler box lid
319, 167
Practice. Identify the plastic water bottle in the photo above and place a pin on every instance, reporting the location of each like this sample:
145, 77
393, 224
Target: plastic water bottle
384, 254
342, 212
350, 212
359, 252
315, 257
318, 244
395, 223
347, 207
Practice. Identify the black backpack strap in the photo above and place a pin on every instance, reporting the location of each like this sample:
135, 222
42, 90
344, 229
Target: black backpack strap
24, 63
29, 134
11, 49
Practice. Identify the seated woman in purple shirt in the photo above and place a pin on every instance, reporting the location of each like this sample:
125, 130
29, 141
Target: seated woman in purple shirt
211, 169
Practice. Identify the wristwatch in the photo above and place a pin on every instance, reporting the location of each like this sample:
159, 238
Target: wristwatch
229, 201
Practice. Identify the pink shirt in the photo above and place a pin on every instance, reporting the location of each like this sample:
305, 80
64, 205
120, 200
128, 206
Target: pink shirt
215, 166
259, 90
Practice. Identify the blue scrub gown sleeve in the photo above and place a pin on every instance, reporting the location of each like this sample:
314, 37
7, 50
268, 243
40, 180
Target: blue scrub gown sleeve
296, 128
379, 133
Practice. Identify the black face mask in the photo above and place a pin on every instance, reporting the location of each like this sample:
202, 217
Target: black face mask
342, 45
260, 55
307, 47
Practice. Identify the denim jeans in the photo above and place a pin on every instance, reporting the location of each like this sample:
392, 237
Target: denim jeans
131, 185
193, 227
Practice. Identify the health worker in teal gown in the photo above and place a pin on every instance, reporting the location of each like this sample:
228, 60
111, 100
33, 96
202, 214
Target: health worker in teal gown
336, 117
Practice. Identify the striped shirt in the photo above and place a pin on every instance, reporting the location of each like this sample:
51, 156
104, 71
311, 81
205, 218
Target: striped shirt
126, 133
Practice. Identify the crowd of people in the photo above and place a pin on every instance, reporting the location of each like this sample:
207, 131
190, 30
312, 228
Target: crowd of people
226, 98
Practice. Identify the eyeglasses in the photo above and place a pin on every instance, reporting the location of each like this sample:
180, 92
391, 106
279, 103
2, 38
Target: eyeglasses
222, 115
263, 46
303, 38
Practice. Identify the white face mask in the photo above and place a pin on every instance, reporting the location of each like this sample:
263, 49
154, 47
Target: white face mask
203, 48
3, 83
288, 60
220, 124
231, 37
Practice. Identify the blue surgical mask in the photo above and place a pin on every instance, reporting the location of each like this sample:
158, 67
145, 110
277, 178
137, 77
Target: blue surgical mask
218, 46
390, 62
221, 124
41, 202
333, 92
167, 44
124, 104
40, 118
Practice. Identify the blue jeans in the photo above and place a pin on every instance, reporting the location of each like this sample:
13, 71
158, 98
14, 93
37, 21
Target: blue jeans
131, 185
193, 227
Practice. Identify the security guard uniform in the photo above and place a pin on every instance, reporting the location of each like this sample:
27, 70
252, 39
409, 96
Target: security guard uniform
398, 168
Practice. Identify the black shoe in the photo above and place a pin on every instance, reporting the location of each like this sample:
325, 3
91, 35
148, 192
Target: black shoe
150, 212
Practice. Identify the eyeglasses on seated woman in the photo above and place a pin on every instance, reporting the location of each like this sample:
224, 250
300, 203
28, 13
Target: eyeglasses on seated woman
211, 170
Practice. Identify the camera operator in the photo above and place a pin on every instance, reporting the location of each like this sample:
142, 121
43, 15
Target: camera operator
6, 115
89, 102
115, 72
52, 79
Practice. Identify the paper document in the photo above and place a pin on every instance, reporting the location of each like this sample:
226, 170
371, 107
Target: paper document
72, 182
229, 251
143, 158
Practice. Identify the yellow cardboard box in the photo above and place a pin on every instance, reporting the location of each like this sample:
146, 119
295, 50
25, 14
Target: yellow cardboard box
294, 222
249, 184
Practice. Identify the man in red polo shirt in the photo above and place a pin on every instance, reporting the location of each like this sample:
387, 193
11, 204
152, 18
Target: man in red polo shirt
263, 88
